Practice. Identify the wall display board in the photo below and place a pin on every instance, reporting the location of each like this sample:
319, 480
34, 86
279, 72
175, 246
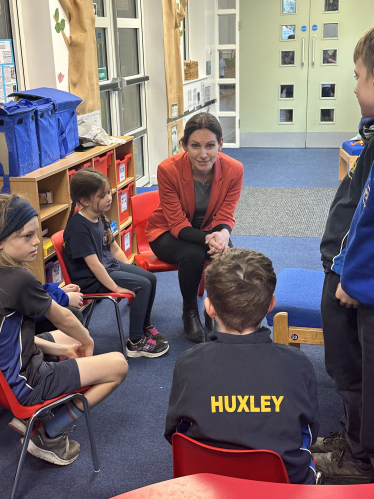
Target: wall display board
8, 81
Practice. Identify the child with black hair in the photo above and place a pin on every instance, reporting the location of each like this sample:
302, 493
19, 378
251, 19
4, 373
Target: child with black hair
241, 390
98, 265
22, 361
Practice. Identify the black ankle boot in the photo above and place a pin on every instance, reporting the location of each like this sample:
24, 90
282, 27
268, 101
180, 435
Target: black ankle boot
192, 325
210, 323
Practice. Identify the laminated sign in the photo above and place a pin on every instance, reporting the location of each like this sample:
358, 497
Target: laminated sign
8, 81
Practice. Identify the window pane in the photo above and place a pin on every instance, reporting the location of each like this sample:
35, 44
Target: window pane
286, 91
328, 90
227, 98
328, 115
5, 29
139, 157
98, 6
226, 63
101, 53
288, 31
287, 57
106, 121
228, 129
286, 115
329, 56
226, 4
226, 29
289, 6
331, 5
131, 108
126, 8
330, 30
128, 51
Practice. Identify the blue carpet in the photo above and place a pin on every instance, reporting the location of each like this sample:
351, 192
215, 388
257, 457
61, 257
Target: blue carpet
288, 167
129, 425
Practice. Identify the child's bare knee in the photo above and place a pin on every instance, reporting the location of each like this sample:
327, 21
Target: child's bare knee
119, 365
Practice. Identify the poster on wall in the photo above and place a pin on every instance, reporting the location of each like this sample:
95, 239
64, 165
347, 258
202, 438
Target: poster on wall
174, 140
8, 81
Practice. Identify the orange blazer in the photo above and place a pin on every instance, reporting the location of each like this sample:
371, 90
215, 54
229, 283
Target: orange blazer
177, 195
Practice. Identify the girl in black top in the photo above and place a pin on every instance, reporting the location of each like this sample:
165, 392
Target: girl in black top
98, 265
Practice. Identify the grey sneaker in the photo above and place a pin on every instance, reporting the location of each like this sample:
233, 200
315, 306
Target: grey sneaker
335, 441
341, 465
59, 450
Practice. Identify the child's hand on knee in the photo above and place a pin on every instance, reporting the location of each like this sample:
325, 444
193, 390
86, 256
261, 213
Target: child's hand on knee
72, 352
86, 350
123, 290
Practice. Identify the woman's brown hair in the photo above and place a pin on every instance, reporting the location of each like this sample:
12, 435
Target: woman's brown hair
202, 121
85, 184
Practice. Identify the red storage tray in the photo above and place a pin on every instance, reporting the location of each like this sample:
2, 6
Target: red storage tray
83, 166
126, 241
71, 174
103, 162
121, 168
124, 202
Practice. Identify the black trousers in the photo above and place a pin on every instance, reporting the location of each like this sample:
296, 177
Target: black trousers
190, 258
45, 326
366, 337
344, 363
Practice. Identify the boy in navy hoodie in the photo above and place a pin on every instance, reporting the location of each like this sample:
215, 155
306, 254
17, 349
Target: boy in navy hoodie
348, 454
241, 390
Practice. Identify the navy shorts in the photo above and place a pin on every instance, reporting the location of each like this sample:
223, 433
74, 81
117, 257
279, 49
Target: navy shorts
56, 378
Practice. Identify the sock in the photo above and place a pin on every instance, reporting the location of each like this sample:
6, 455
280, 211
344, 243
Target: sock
63, 419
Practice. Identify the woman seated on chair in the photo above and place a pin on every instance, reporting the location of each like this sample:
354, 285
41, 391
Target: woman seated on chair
199, 190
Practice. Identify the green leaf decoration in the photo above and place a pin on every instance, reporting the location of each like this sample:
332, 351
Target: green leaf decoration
58, 27
62, 23
57, 16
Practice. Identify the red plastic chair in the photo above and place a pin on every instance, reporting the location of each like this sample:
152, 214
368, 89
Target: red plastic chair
191, 457
142, 206
115, 298
32, 412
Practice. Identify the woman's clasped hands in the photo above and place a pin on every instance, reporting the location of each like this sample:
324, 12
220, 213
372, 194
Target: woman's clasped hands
218, 242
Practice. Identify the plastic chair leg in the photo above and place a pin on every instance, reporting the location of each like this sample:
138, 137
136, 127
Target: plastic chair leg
87, 415
25, 445
90, 314
119, 322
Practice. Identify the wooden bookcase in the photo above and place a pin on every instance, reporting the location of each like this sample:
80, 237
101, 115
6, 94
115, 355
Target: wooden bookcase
55, 178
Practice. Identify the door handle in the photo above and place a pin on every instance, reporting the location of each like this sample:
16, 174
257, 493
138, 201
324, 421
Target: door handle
303, 53
314, 51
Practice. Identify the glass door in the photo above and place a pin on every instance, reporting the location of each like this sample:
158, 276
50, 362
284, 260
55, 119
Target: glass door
227, 29
119, 38
336, 26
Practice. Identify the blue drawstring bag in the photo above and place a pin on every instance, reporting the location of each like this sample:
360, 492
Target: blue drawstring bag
19, 153
65, 113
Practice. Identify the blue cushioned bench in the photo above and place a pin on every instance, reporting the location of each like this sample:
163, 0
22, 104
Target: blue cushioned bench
349, 152
296, 317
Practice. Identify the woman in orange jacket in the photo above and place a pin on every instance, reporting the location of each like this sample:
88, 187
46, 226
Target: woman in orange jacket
199, 190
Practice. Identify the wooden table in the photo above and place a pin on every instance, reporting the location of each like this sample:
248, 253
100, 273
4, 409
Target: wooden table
207, 486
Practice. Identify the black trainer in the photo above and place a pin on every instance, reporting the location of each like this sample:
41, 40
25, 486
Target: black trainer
335, 441
341, 465
147, 346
